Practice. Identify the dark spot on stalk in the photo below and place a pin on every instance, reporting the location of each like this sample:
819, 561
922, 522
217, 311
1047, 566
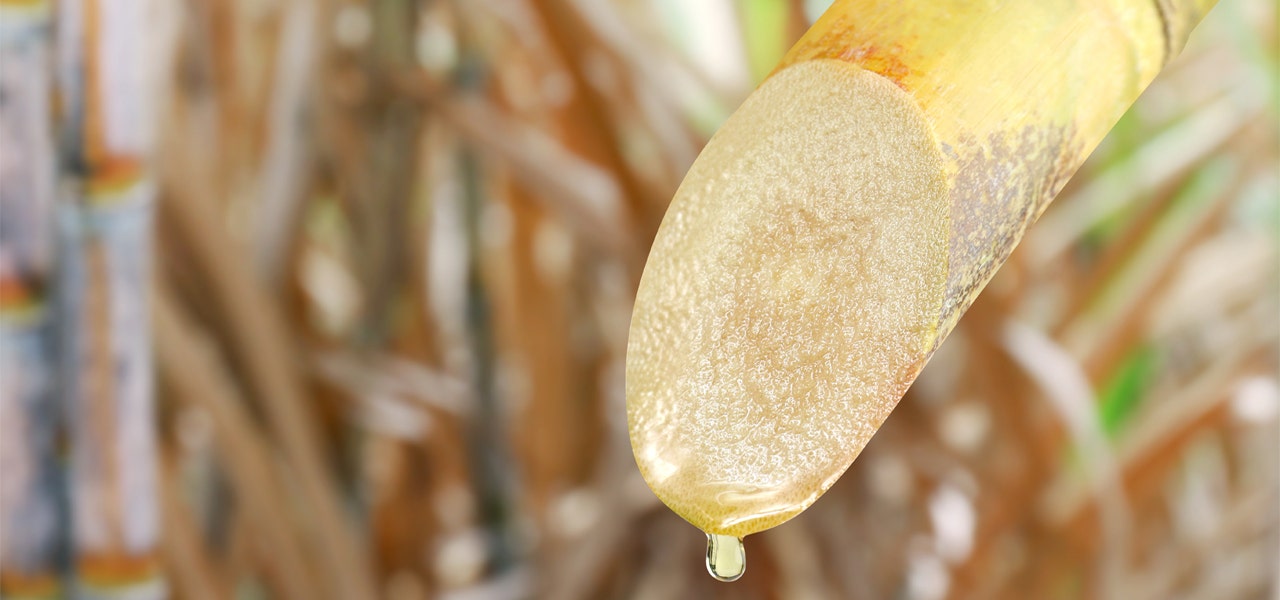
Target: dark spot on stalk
1002, 185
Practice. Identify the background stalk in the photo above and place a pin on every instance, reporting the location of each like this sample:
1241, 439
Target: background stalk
32, 515
104, 297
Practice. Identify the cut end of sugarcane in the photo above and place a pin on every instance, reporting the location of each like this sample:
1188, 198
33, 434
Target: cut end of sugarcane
792, 294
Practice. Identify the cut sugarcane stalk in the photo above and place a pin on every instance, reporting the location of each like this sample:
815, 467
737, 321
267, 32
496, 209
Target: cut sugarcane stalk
838, 225
30, 511
104, 274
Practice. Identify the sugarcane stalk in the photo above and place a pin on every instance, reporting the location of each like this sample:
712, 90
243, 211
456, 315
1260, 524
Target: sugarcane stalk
31, 515
1018, 95
104, 274
838, 225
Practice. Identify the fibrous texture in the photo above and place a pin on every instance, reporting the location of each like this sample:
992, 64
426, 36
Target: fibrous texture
792, 294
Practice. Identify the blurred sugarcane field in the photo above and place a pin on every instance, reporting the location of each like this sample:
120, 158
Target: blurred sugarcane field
330, 299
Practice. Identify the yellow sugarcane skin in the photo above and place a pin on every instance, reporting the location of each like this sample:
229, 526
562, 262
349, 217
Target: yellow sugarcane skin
1017, 93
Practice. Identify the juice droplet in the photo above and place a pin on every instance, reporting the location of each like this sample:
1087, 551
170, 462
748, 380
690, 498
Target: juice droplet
726, 557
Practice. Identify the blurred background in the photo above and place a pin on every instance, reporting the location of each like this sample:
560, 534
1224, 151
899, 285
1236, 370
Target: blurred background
381, 254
